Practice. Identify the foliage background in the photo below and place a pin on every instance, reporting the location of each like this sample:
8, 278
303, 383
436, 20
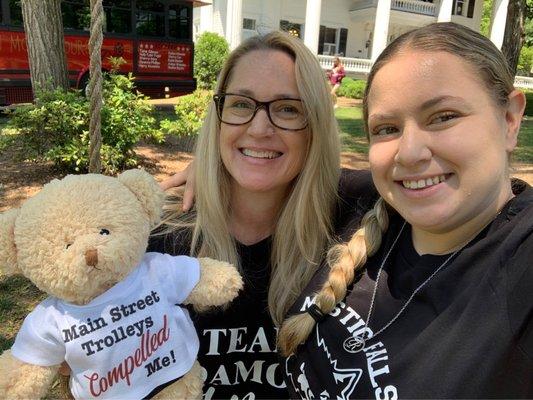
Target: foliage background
210, 52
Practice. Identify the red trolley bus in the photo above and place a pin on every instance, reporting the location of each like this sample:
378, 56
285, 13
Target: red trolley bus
154, 37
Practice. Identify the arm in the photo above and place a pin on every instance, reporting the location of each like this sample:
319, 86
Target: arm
19, 380
219, 283
183, 177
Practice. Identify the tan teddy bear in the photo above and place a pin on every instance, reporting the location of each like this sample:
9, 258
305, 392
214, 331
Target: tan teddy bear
113, 313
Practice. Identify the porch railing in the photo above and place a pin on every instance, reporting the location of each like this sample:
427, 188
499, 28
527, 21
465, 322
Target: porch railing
411, 6
362, 66
356, 65
523, 82
415, 6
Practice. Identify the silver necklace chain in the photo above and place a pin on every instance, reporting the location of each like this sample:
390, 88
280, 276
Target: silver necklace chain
362, 340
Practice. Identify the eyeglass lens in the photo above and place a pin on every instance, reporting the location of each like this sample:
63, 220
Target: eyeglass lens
284, 113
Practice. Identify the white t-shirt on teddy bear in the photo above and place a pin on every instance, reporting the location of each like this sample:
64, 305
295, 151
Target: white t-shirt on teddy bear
127, 341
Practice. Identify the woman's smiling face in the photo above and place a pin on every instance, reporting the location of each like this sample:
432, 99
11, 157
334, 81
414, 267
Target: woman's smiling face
439, 143
259, 156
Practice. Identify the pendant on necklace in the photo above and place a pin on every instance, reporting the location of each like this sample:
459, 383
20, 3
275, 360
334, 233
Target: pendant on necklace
354, 344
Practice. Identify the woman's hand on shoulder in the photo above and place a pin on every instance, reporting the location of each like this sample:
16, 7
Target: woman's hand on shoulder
180, 178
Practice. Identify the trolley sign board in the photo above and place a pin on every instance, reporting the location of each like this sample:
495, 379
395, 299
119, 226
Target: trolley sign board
153, 56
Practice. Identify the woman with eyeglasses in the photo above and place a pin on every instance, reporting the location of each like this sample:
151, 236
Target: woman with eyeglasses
267, 171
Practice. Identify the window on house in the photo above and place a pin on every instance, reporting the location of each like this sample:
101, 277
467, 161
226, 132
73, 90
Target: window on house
291, 27
458, 6
471, 6
248, 24
327, 41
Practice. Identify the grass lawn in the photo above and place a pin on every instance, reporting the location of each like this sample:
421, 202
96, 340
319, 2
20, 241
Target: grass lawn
353, 138
350, 122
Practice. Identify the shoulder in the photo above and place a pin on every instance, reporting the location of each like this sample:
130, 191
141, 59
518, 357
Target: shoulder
513, 230
174, 242
356, 183
356, 195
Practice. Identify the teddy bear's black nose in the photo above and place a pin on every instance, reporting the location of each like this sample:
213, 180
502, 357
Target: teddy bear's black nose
91, 257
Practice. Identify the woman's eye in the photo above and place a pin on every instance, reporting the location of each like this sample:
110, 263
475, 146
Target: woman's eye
290, 109
242, 104
384, 130
104, 232
439, 119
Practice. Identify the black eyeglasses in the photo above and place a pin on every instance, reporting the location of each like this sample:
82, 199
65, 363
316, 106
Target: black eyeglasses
237, 109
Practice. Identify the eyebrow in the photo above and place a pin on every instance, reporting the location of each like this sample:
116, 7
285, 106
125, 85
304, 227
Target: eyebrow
439, 99
248, 92
424, 106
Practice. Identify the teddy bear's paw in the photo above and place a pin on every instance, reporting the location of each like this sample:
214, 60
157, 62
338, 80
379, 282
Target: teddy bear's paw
219, 283
19, 380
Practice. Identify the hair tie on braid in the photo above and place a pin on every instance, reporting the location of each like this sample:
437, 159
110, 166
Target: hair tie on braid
315, 312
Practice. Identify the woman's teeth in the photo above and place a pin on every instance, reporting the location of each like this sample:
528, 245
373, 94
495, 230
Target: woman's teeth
260, 154
422, 183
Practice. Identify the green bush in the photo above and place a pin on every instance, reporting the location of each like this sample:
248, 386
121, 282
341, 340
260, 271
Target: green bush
56, 118
190, 114
210, 52
525, 61
529, 104
352, 88
56, 127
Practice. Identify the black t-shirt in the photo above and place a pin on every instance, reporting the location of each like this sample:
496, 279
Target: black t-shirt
468, 333
237, 344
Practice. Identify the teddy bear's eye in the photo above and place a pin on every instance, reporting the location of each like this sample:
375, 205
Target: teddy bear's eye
104, 232
68, 245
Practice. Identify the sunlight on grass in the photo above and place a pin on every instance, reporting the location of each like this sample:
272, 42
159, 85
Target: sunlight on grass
353, 138
7, 135
524, 151
350, 120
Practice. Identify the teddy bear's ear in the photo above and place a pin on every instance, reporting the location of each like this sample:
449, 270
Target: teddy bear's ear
147, 190
8, 251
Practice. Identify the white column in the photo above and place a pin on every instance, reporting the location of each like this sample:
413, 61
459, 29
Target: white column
499, 16
206, 18
381, 28
445, 11
312, 24
234, 23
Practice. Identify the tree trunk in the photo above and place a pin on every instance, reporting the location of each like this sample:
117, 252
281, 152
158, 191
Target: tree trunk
46, 51
514, 36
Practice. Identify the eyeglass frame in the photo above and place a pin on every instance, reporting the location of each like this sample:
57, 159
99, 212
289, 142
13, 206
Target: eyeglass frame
217, 98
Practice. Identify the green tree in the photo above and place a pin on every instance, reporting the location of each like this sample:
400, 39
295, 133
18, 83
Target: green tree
484, 27
518, 31
525, 62
210, 52
515, 34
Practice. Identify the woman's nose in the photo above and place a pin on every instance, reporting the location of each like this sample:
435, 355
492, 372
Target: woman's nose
413, 146
260, 125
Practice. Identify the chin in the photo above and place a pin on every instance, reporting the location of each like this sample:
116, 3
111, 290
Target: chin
430, 220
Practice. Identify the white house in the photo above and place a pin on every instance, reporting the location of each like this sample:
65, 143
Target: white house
358, 30
353, 28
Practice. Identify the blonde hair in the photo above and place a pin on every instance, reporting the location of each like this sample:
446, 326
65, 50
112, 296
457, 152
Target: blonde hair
303, 227
347, 258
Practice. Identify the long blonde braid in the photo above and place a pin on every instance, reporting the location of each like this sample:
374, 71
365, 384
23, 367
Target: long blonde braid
345, 259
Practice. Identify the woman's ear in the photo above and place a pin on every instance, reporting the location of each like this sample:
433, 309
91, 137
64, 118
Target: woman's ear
513, 117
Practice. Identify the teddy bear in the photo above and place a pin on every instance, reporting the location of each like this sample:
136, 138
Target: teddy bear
114, 312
